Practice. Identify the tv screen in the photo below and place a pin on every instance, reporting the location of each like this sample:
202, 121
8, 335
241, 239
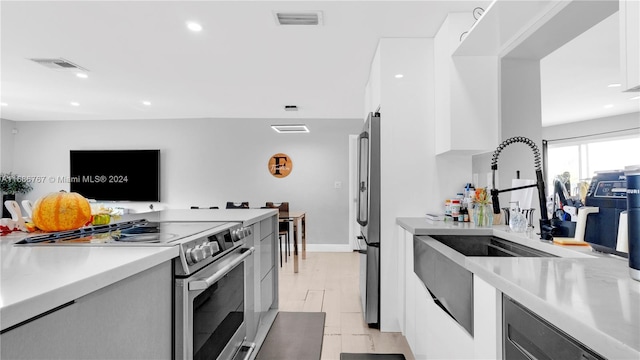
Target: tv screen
116, 175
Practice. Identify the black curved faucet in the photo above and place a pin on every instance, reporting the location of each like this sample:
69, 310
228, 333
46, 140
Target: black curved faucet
546, 229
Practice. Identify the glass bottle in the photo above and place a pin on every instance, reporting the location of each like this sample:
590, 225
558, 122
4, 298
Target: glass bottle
517, 221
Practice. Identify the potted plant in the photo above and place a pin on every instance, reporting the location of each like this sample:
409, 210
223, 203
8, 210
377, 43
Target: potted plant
10, 185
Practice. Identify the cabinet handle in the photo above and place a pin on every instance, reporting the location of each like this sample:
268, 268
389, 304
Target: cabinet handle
249, 350
205, 283
38, 316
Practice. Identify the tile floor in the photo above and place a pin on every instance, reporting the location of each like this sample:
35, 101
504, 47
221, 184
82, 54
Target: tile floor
329, 282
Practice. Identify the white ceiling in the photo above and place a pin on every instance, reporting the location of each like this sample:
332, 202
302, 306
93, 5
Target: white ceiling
242, 65
575, 78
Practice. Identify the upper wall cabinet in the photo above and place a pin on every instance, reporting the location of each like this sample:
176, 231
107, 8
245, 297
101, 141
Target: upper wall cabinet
466, 93
373, 89
629, 13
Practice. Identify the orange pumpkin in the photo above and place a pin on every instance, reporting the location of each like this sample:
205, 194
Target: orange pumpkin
61, 211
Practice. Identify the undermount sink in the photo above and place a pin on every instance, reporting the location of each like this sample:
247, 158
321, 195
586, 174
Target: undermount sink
488, 246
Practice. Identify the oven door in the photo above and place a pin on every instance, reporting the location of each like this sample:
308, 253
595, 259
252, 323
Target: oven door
210, 309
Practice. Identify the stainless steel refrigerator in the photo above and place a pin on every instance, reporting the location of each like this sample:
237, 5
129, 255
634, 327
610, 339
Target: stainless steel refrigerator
368, 217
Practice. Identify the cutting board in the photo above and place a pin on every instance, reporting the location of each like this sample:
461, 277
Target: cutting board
569, 241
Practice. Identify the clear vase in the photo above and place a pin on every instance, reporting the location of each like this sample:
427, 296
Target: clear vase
483, 215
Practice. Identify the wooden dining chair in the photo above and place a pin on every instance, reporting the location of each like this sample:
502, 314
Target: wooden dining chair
283, 227
237, 205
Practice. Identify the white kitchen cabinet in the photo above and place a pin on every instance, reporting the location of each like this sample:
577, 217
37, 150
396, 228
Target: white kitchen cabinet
433, 334
261, 279
438, 336
629, 13
487, 320
407, 157
130, 319
264, 277
373, 89
406, 307
466, 93
268, 259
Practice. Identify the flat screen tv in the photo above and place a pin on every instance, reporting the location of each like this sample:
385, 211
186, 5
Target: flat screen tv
116, 175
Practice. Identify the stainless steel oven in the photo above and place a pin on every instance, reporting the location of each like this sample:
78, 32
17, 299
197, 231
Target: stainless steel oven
211, 309
211, 300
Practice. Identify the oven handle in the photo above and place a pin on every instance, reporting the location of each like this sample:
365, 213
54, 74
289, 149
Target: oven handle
205, 283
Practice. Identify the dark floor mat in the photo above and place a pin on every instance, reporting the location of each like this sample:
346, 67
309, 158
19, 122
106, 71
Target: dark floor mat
353, 356
294, 336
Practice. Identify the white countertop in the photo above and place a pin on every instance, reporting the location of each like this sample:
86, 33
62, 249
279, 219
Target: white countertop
588, 295
35, 279
246, 216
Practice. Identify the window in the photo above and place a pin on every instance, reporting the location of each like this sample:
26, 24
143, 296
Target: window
578, 160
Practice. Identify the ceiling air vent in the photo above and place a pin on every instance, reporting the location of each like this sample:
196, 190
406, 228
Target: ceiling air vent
58, 64
299, 18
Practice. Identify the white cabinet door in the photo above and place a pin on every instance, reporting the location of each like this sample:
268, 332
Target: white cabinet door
268, 259
438, 336
375, 83
487, 320
466, 96
130, 319
406, 307
630, 44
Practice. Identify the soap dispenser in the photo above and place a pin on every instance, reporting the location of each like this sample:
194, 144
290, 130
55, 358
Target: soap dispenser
517, 220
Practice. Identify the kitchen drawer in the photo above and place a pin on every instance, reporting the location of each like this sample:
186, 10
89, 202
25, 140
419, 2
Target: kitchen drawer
125, 320
266, 227
266, 292
266, 255
526, 336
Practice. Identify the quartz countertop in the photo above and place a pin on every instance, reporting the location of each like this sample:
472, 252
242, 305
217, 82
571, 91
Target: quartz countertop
36, 279
588, 295
245, 216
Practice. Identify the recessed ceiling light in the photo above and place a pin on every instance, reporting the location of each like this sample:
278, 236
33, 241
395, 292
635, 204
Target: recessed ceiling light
399, 76
73, 103
290, 129
4, 104
635, 98
82, 75
614, 85
608, 106
146, 103
194, 26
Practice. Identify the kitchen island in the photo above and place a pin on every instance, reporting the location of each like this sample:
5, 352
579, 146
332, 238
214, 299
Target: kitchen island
587, 295
69, 298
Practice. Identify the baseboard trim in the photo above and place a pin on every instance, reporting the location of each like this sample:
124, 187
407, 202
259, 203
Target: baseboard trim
329, 248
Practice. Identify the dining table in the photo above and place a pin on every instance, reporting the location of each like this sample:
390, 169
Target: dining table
298, 218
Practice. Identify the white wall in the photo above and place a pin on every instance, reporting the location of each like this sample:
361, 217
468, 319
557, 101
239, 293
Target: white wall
6, 145
207, 162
